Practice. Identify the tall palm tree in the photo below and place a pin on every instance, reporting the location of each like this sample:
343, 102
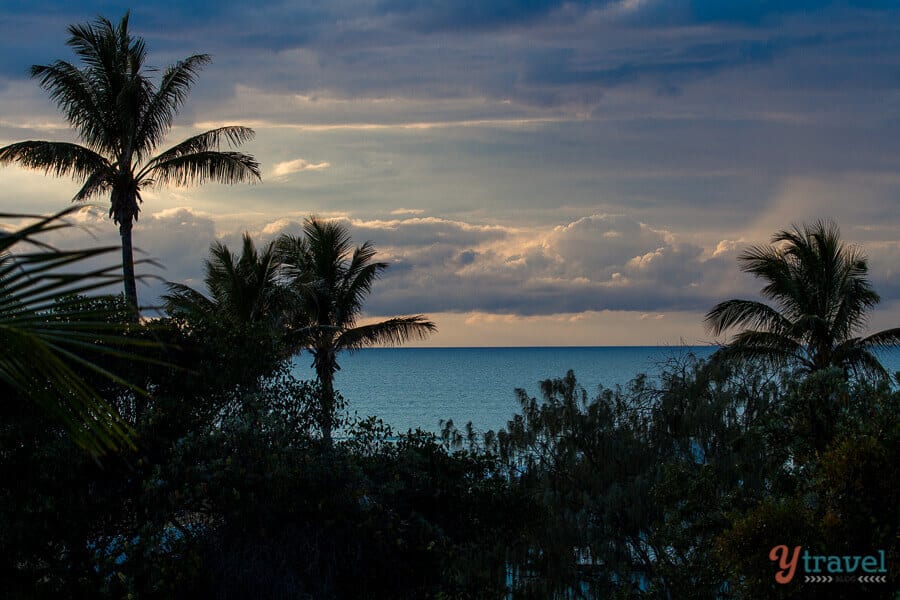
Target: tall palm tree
822, 297
330, 280
121, 116
241, 288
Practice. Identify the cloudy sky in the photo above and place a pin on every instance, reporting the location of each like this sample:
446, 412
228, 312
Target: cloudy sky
536, 173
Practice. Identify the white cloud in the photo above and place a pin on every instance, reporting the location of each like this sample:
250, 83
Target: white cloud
298, 165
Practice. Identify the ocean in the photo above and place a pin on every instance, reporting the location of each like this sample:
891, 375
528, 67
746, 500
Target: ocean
419, 387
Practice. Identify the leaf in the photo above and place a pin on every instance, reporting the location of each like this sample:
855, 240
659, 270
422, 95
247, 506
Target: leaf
48, 337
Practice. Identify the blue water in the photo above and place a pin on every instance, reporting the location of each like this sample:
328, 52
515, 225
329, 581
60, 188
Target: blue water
418, 387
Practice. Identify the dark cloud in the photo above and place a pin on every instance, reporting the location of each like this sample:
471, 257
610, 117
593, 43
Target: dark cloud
448, 15
447, 49
884, 270
754, 13
667, 70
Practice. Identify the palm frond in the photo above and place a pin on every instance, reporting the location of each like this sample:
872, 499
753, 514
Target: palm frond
200, 167
767, 339
359, 277
883, 339
97, 183
267, 292
77, 96
751, 355
184, 301
223, 277
41, 224
166, 100
46, 336
771, 349
57, 158
856, 297
207, 141
856, 356
391, 332
328, 245
65, 396
291, 252
243, 288
95, 43
41, 283
745, 313
866, 365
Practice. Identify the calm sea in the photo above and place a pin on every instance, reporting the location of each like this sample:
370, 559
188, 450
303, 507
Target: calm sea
417, 387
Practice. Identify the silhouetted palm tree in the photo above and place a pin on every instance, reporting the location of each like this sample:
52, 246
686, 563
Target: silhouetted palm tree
822, 298
121, 117
330, 280
241, 288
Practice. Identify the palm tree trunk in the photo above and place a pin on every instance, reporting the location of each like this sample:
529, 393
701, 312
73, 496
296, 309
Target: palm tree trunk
325, 373
128, 265
327, 417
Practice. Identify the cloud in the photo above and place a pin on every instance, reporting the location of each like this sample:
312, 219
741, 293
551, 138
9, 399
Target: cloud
297, 165
466, 14
176, 239
426, 50
389, 234
884, 269
594, 263
601, 262
384, 126
495, 276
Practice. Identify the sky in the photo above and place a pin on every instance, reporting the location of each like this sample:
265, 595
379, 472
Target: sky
536, 172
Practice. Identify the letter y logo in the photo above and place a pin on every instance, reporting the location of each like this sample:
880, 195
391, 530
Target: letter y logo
788, 566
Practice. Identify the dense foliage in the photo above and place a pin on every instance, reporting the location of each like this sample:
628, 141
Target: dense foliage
676, 488
680, 489
233, 494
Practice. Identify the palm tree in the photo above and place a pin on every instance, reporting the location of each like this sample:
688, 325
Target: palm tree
330, 280
243, 289
121, 117
242, 313
822, 298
